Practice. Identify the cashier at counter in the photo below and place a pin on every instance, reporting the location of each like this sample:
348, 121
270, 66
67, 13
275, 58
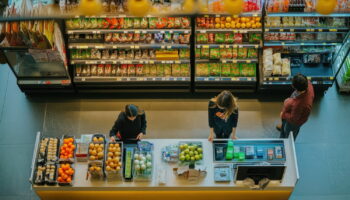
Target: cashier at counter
223, 116
130, 125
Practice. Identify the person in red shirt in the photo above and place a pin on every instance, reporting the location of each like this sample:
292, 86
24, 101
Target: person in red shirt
297, 108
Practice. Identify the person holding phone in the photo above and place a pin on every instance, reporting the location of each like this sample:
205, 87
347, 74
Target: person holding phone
130, 125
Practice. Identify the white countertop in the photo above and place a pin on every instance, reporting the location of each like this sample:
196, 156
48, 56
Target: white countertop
174, 182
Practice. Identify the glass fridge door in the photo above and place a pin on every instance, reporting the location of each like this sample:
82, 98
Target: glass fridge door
342, 66
28, 66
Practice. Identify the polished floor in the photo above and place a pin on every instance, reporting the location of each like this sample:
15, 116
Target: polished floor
322, 146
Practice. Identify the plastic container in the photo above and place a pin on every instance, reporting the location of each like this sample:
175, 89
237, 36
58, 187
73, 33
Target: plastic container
53, 159
112, 174
51, 174
185, 149
63, 183
67, 160
94, 158
39, 175
96, 170
98, 141
143, 166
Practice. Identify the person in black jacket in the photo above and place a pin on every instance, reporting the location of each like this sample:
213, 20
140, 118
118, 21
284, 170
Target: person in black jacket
131, 124
223, 116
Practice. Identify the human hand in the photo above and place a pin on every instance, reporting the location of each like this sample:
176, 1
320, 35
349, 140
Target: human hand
112, 139
234, 137
139, 136
211, 136
281, 114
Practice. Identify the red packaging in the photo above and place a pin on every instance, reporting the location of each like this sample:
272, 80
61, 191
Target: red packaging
108, 70
211, 38
100, 70
238, 39
131, 70
124, 70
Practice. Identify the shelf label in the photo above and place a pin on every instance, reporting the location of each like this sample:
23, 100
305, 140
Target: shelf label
308, 78
320, 30
276, 79
205, 46
235, 16
187, 32
256, 46
235, 46
267, 30
144, 31
82, 47
114, 47
291, 30
270, 79
227, 46
163, 62
217, 79
137, 47
103, 62
202, 31
255, 15
171, 31
234, 61
177, 62
162, 32
248, 61
331, 78
72, 62
249, 79
217, 15
114, 62
302, 43
282, 43
83, 79
169, 47
233, 79
151, 62
132, 47
99, 47
141, 62
224, 61
281, 30
308, 30
125, 31
96, 32
235, 31
162, 47
333, 30
69, 32
137, 31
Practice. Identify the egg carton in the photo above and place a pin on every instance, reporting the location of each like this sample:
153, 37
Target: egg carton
67, 160
143, 167
113, 174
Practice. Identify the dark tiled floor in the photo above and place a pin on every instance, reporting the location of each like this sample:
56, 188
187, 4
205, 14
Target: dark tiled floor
321, 147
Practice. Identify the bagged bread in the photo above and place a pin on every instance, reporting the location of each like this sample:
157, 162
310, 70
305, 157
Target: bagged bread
277, 70
268, 52
286, 67
277, 59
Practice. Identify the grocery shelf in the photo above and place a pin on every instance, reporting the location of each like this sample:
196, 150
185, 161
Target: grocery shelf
306, 43
206, 46
45, 82
147, 61
28, 18
200, 30
102, 31
226, 79
130, 79
127, 46
245, 14
305, 14
308, 29
227, 60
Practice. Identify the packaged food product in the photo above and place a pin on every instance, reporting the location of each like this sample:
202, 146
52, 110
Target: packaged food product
108, 70
159, 37
124, 70
255, 38
119, 71
136, 38
238, 38
235, 69
129, 54
138, 54
100, 70
214, 69
176, 39
277, 70
252, 53
205, 53
144, 23
229, 38
234, 53
152, 22
244, 69
223, 53
277, 60
108, 37
202, 70
211, 38
153, 70
146, 70
184, 53
184, 38
93, 70
185, 22
286, 71
185, 70
202, 38
171, 22
137, 22
167, 37
144, 54
160, 70
114, 54
252, 69
214, 53
177, 22
161, 22
176, 70
225, 70
242, 53
122, 54
114, 70
229, 53
131, 70
198, 53
167, 70
219, 38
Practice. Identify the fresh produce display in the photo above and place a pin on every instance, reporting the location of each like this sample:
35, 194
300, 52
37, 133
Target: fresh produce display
52, 150
129, 23
248, 6
131, 70
113, 162
95, 170
123, 54
225, 70
65, 174
307, 37
143, 165
228, 38
98, 139
190, 151
50, 174
327, 22
227, 53
67, 149
301, 6
234, 22
307, 49
96, 151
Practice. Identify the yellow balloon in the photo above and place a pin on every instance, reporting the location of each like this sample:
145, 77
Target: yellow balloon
326, 7
139, 8
188, 6
90, 7
233, 7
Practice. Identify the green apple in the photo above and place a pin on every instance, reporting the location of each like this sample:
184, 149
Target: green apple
197, 157
187, 151
200, 150
195, 146
200, 156
181, 147
182, 158
191, 153
193, 158
185, 146
182, 154
187, 157
195, 152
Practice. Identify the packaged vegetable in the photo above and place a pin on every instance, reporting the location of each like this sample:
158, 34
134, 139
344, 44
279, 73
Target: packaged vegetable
152, 22
198, 53
202, 70
144, 54
277, 60
229, 38
162, 22
286, 71
146, 70
129, 54
229, 53
244, 69
255, 38
167, 37
235, 71
184, 53
204, 53
176, 39
225, 70
214, 69
137, 22
160, 70
234, 53
100, 70
136, 38
202, 38
238, 38
177, 22
176, 70
223, 53
277, 70
185, 70
159, 37
242, 53
167, 70
211, 38
171, 22
252, 53
185, 22
144, 23
184, 38
219, 38
119, 71
214, 53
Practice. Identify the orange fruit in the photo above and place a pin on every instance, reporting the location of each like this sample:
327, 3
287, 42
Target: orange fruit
258, 25
69, 180
253, 26
73, 146
248, 25
64, 176
217, 20
70, 156
243, 25
59, 179
238, 25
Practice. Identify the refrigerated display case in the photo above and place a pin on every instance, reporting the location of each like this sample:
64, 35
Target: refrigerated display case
298, 40
120, 53
35, 52
342, 66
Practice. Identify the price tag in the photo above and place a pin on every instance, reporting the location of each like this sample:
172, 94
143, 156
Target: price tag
125, 31
137, 31
177, 62
83, 79
248, 61
233, 79
114, 47
307, 30
331, 78
281, 30
103, 16
198, 46
139, 79
162, 32
162, 47
312, 30
235, 46
82, 47
217, 15
205, 46
276, 79
221, 46
291, 30
249, 79
270, 79
137, 47
256, 46
72, 62
99, 47
69, 32
151, 62
171, 31
302, 43
202, 31
227, 46
224, 61
187, 32
206, 79
234, 61
308, 78
235, 31
282, 43
132, 47
141, 62
267, 30
163, 62
235, 16
333, 30
255, 15
324, 43
103, 62
114, 62
206, 15
217, 79
169, 47
144, 31
153, 79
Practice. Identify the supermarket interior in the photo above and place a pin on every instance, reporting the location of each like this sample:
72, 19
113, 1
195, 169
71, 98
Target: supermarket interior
68, 68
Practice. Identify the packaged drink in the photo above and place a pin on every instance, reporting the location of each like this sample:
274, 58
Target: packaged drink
270, 155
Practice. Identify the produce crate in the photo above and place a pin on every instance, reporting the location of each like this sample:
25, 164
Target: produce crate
93, 152
113, 174
62, 150
64, 183
96, 170
197, 147
98, 141
51, 174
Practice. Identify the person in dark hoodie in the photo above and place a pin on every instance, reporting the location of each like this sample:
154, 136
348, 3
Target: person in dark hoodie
130, 125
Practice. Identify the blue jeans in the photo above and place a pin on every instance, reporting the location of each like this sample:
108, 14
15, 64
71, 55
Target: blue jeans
287, 128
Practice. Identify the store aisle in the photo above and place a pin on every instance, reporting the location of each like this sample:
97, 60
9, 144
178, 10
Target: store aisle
321, 147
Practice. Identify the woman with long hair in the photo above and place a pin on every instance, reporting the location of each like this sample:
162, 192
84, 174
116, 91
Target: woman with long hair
131, 124
223, 116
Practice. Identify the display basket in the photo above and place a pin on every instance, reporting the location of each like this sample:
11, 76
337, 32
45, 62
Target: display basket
143, 166
197, 146
98, 136
67, 160
113, 175
51, 174
96, 175
65, 183
96, 159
